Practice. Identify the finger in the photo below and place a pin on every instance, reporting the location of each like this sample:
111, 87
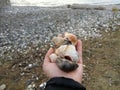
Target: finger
79, 49
47, 59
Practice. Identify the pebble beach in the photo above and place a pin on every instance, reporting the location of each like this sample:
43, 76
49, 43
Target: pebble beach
26, 33
21, 26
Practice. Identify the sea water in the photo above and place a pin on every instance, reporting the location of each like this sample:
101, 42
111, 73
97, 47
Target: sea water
46, 3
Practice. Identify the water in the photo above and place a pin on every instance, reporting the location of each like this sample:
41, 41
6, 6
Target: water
46, 3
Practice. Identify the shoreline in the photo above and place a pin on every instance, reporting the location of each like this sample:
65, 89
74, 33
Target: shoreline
94, 7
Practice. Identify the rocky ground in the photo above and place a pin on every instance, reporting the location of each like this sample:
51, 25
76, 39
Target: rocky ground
25, 34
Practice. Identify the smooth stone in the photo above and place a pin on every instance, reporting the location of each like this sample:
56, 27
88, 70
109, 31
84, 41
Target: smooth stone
2, 87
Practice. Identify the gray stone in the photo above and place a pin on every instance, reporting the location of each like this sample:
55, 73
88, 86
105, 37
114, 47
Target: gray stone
2, 87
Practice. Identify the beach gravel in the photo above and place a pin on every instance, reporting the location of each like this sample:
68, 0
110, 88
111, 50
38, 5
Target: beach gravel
23, 26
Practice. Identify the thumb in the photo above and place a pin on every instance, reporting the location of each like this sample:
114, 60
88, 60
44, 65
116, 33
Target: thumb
47, 59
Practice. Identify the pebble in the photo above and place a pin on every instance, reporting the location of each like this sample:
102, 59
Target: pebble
2, 87
42, 86
30, 65
32, 86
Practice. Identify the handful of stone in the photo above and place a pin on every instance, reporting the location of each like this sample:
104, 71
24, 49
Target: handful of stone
65, 56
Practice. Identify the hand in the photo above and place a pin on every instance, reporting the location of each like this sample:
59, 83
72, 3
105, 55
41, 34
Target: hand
52, 70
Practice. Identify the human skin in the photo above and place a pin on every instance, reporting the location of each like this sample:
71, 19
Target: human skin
52, 70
